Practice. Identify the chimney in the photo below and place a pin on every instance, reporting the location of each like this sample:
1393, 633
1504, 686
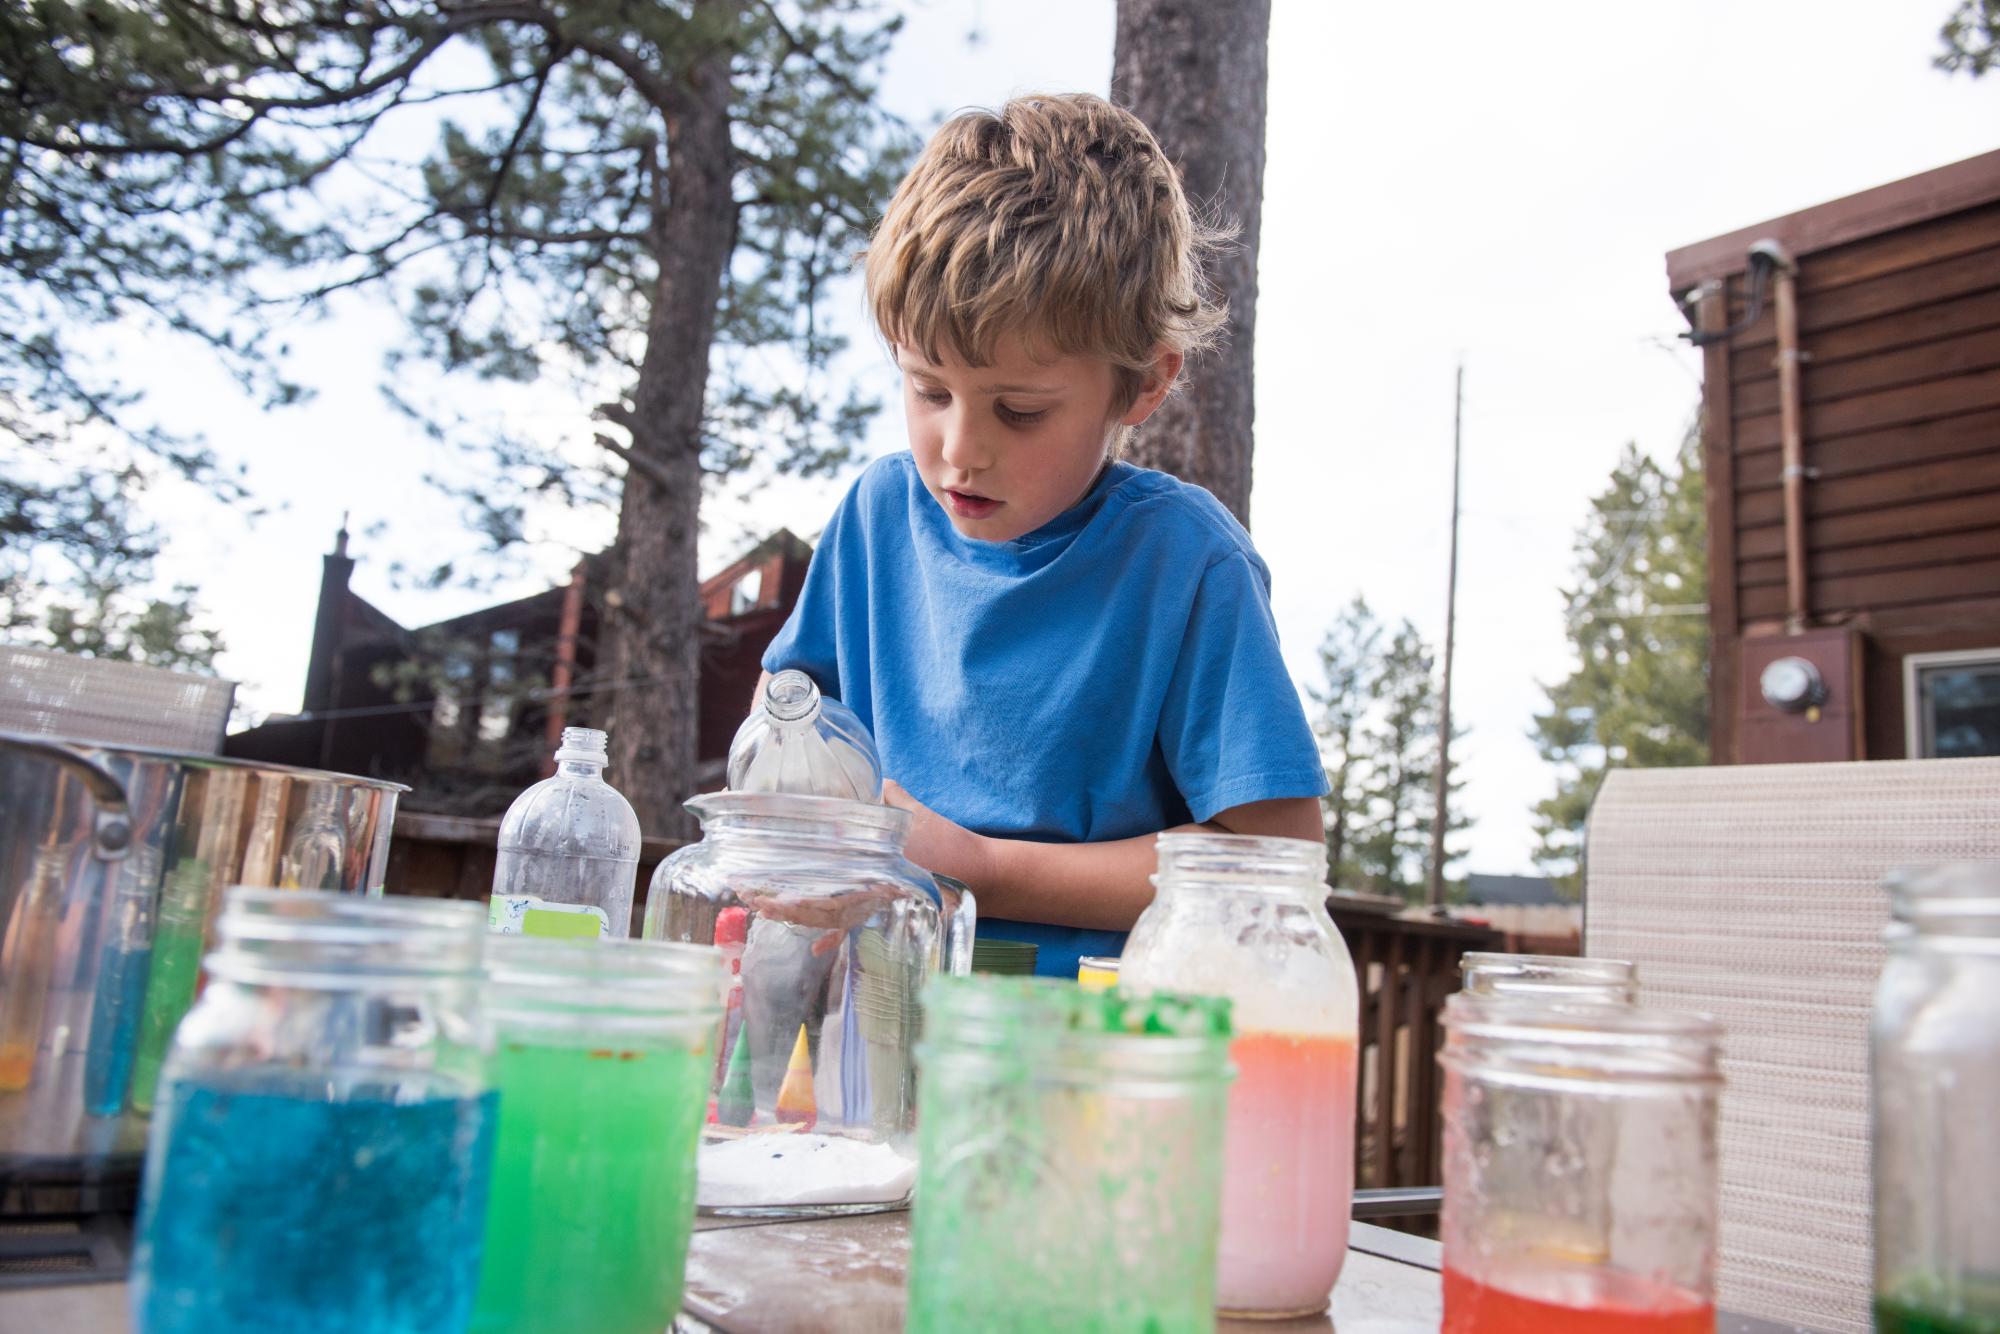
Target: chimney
329, 623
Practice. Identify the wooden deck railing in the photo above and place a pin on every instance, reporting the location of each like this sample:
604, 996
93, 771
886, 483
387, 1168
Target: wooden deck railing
1406, 967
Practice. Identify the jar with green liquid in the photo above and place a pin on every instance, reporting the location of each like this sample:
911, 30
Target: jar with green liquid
1936, 1049
603, 1056
1069, 1159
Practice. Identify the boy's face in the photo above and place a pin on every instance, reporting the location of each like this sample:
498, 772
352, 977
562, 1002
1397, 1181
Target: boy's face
1006, 447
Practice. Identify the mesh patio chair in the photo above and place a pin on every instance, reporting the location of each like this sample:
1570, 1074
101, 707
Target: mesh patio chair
112, 703
1755, 893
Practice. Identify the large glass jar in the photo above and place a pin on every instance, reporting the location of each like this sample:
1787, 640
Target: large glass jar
834, 934
1580, 1182
1551, 977
602, 1062
1936, 1045
1072, 1159
322, 1137
1246, 918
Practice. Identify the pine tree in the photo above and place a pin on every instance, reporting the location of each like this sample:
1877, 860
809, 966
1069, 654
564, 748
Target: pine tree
1350, 666
1637, 622
635, 203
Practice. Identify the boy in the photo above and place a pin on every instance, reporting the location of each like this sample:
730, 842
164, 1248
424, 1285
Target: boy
1060, 655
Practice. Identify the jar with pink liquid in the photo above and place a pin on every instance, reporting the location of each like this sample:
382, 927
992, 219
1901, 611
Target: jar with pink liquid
1246, 918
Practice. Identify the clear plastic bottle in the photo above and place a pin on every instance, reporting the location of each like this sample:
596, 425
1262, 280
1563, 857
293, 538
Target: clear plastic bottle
569, 851
796, 740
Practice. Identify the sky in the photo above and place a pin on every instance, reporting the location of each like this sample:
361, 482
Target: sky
1466, 183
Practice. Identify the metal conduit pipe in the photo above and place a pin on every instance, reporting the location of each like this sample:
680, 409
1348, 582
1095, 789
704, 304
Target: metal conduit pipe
1791, 425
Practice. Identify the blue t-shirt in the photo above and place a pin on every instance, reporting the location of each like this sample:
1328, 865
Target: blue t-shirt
1113, 673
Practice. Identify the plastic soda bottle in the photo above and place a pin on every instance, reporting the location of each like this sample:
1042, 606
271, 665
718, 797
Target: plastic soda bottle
569, 851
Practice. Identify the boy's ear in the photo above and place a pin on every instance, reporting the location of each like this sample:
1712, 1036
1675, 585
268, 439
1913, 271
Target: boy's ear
1159, 382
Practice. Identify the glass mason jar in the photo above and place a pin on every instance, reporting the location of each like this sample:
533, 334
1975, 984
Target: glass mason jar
1936, 1050
1580, 1186
832, 934
1246, 918
1551, 977
323, 1131
1071, 1159
602, 1061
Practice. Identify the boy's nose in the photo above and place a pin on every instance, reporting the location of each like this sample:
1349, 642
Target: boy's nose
964, 449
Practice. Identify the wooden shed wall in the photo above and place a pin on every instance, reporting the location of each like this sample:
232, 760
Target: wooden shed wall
1900, 331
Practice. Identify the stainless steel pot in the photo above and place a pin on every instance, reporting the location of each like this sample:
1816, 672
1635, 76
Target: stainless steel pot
112, 865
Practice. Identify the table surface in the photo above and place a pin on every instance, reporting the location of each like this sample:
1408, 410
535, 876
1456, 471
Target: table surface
845, 1276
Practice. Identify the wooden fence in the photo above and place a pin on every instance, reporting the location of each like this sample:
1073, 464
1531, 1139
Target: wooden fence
1406, 967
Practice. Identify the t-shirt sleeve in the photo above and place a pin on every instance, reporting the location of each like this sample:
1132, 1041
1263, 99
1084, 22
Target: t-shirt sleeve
1231, 726
810, 638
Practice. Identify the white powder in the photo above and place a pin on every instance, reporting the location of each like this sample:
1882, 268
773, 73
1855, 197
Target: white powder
761, 1171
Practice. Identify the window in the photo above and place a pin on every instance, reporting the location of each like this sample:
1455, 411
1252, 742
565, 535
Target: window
1951, 704
747, 593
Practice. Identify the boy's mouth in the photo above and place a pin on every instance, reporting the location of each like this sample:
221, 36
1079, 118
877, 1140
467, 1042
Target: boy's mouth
968, 504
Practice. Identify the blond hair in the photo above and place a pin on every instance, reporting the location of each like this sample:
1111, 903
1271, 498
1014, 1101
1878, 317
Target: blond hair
1057, 219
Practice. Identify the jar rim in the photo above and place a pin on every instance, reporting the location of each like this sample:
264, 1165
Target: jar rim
319, 938
1582, 978
654, 976
1936, 896
1068, 1034
795, 808
1568, 1042
1245, 860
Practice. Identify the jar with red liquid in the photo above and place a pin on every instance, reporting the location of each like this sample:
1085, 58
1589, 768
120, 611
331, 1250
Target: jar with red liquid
1936, 1076
1580, 1186
1245, 917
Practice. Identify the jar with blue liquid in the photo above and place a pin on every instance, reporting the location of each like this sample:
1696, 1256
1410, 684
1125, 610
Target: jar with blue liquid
322, 1136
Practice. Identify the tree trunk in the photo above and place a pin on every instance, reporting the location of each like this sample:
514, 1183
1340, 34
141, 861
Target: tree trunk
655, 616
1195, 71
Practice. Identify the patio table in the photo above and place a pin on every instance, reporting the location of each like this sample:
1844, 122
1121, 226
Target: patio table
846, 1276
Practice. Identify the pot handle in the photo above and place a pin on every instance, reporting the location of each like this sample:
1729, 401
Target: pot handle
111, 839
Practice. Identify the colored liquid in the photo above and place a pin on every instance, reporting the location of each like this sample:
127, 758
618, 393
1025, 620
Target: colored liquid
1570, 1301
114, 1028
1913, 1314
266, 1212
170, 987
593, 1188
1288, 1172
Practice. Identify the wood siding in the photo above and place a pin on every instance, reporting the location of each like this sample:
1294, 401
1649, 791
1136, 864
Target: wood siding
1899, 327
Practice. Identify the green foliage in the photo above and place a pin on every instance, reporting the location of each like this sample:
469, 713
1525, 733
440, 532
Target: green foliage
1971, 38
1637, 621
225, 168
1378, 726
86, 586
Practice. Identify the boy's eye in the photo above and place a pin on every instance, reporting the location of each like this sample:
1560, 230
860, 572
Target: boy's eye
937, 397
1018, 418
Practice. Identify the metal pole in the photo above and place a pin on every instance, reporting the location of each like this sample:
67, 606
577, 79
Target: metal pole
1440, 807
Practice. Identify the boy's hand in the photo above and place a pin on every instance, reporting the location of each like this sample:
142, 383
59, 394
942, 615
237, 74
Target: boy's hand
939, 845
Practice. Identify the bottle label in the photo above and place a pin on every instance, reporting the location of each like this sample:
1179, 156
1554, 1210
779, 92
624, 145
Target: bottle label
525, 915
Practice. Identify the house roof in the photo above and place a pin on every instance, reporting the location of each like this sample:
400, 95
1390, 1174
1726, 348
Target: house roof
1885, 208
1511, 891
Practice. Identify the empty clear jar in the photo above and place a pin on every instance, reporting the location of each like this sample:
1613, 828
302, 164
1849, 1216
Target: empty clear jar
602, 1062
835, 932
1551, 977
322, 1136
1246, 918
1580, 1182
569, 851
1071, 1150
1936, 1048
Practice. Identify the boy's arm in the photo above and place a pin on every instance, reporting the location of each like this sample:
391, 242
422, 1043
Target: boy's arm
1104, 886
